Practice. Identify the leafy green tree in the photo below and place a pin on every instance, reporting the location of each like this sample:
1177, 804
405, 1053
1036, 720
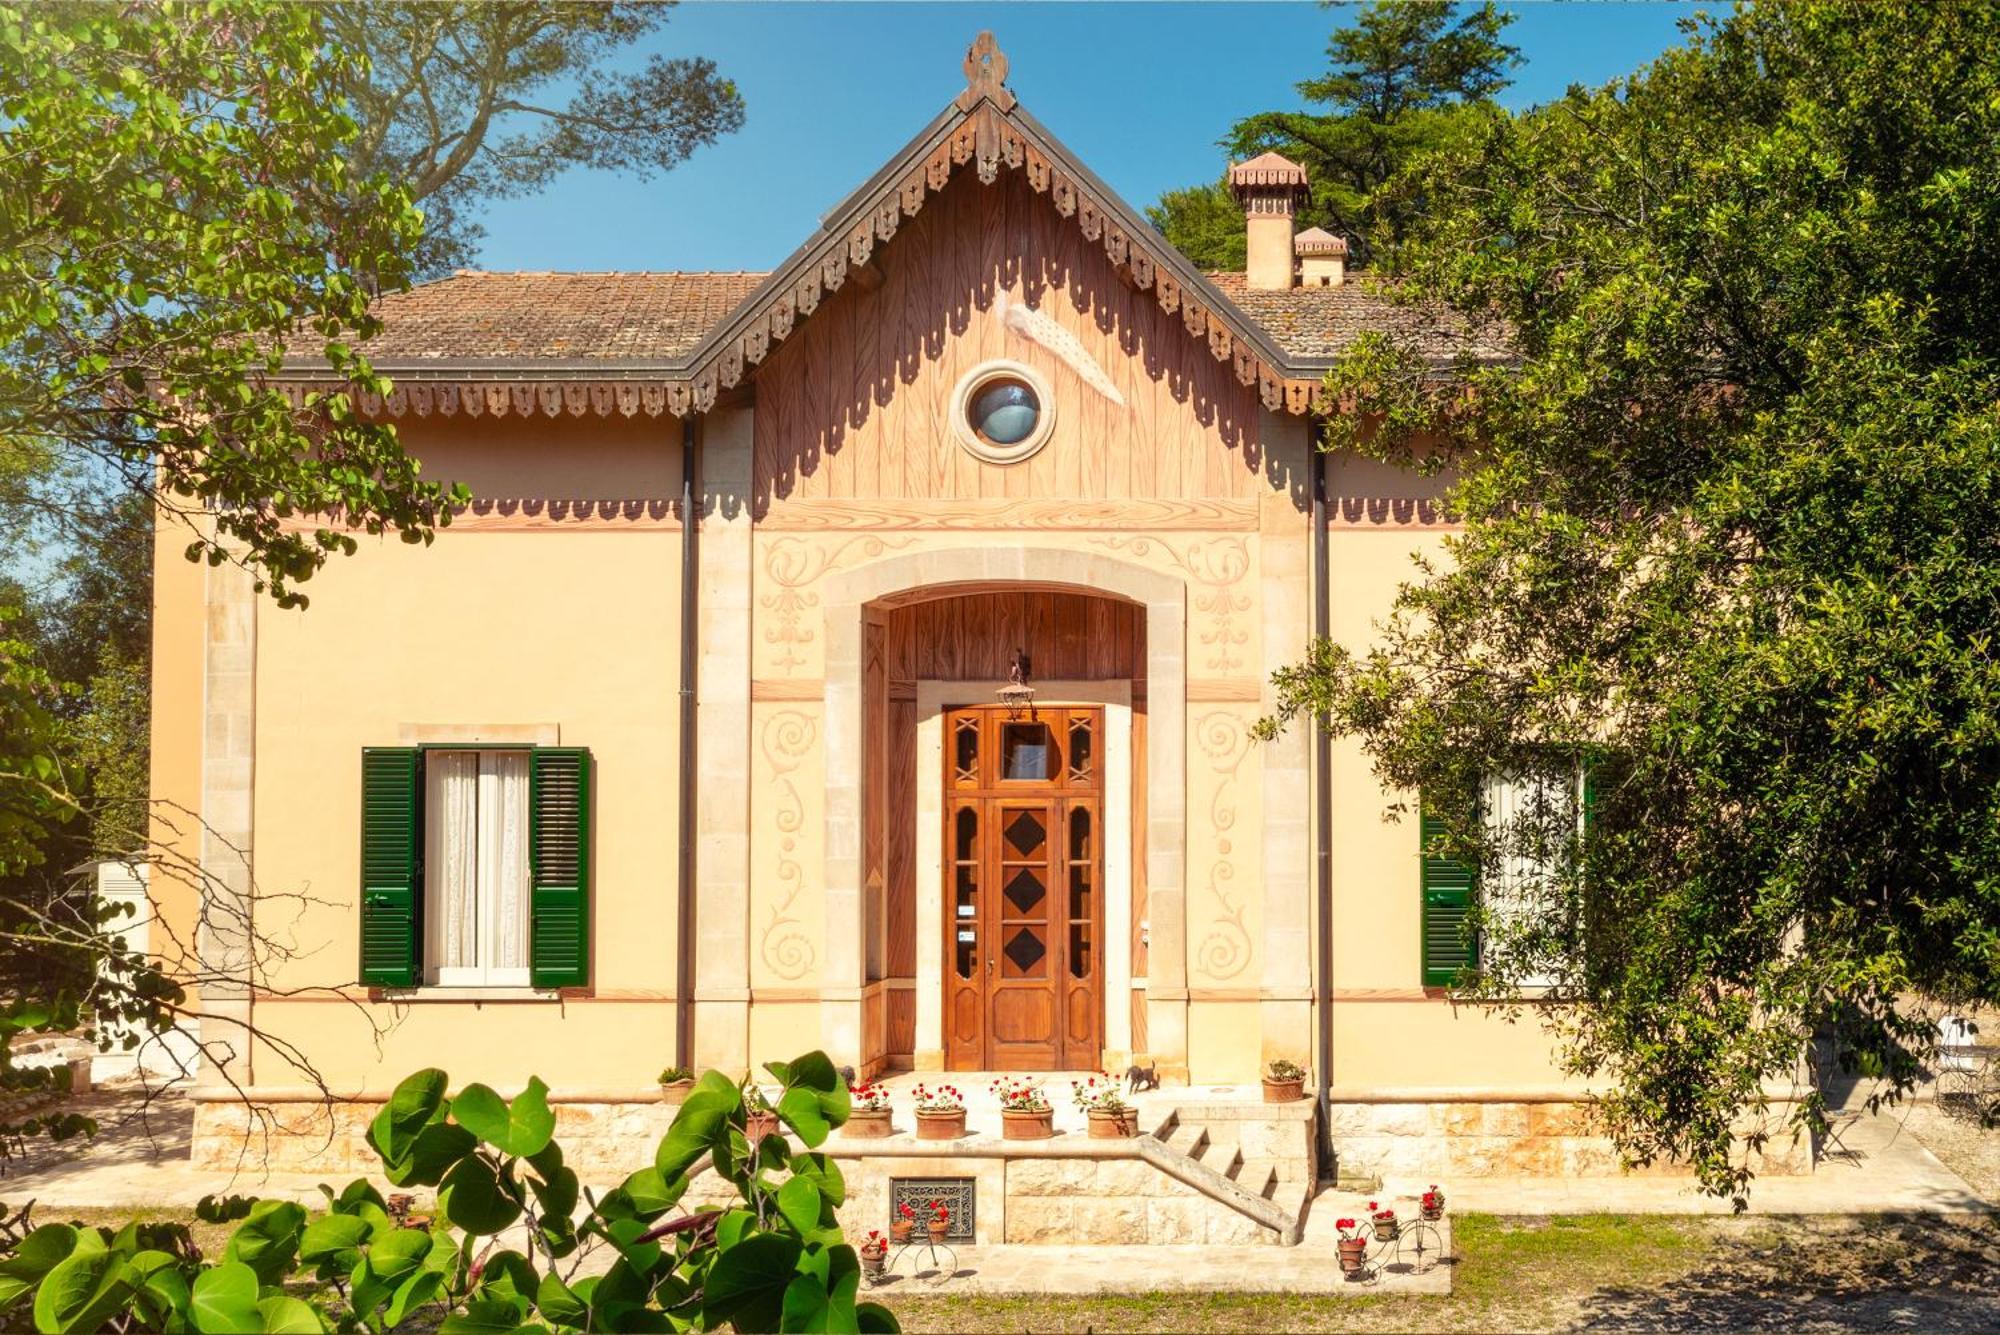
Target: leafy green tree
1731, 547
1406, 78
460, 103
775, 1260
1204, 222
177, 213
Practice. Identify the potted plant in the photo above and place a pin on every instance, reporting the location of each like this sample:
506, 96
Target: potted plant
1108, 1115
1431, 1204
1284, 1082
675, 1082
874, 1253
938, 1221
1386, 1227
1353, 1247
903, 1224
940, 1112
760, 1119
1025, 1112
868, 1112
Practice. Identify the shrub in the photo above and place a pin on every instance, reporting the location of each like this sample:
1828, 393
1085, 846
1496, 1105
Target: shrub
774, 1262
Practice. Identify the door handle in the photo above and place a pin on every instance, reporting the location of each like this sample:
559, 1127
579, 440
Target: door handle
989, 964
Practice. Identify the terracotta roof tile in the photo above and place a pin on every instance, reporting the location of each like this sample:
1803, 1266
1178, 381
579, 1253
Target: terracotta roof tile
560, 316
661, 315
1323, 321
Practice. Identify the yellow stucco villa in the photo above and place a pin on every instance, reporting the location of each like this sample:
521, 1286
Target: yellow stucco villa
863, 656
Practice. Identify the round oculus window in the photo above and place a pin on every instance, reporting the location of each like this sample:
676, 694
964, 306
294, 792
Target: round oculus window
1001, 412
1005, 410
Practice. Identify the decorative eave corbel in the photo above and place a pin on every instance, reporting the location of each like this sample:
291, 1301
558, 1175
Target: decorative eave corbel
985, 127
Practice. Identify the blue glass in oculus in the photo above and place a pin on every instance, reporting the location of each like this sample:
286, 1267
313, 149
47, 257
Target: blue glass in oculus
1005, 412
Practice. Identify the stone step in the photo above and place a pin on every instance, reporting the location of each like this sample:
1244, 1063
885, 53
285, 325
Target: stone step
1224, 1190
1293, 1197
1189, 1138
1228, 1161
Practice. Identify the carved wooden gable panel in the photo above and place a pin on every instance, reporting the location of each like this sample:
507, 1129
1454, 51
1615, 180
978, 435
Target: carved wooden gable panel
857, 402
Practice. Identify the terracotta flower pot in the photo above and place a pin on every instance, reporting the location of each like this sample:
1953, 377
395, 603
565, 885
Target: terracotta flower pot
1027, 1124
939, 1228
1433, 1213
949, 1125
872, 1262
1353, 1255
676, 1092
1113, 1123
1387, 1230
869, 1124
757, 1125
1284, 1091
900, 1230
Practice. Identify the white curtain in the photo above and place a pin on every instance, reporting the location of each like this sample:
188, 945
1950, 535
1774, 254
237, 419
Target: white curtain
476, 868
451, 864
503, 862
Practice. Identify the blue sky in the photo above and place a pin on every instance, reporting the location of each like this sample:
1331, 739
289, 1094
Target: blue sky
1140, 91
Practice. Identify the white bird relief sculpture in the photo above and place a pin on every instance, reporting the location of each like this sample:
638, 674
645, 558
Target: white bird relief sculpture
1041, 328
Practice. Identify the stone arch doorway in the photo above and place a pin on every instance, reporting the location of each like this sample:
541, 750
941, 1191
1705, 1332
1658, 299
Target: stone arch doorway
1003, 923
913, 639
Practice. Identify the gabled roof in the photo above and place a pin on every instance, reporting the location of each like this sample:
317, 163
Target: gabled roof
673, 341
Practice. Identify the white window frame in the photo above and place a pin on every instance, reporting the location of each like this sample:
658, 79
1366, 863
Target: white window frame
1499, 796
489, 873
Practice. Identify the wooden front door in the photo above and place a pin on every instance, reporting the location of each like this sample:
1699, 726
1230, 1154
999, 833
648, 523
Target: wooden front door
1023, 889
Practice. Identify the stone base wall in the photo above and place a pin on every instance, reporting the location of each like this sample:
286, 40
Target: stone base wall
604, 1142
1061, 1201
1442, 1141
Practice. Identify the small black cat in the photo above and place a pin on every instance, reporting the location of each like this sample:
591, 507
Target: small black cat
1139, 1077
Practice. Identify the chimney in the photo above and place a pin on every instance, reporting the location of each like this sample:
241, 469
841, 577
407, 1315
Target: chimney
1322, 258
1269, 187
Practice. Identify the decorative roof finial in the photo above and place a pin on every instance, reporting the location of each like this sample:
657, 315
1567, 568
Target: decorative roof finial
986, 74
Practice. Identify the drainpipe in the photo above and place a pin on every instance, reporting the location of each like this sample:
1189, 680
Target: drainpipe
690, 648
1322, 741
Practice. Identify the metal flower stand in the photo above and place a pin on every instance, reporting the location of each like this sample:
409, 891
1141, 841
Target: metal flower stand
1420, 1238
943, 1260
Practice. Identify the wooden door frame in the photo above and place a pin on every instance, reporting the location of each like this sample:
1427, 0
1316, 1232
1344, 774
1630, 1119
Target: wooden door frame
1124, 847
1059, 798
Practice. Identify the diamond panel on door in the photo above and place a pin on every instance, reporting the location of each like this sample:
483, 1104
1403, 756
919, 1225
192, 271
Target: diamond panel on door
1025, 951
1025, 890
1025, 832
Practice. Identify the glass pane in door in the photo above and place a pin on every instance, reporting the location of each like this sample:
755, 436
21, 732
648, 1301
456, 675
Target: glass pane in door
965, 892
1027, 752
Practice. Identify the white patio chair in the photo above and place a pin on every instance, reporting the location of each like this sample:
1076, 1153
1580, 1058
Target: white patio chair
1959, 1068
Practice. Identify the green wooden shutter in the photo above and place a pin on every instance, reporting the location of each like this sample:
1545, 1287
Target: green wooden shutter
1448, 887
559, 950
391, 884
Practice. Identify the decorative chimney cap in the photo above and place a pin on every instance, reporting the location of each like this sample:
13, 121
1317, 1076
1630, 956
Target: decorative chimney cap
986, 74
1266, 169
1318, 241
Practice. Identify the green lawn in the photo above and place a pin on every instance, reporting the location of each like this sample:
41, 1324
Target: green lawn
1605, 1271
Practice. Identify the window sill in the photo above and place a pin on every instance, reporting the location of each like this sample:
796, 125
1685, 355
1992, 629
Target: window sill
411, 995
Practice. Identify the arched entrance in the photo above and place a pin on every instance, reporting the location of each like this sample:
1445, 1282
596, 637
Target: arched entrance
912, 650
1009, 896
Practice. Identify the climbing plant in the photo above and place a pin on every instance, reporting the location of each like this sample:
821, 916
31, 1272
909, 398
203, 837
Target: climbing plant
511, 1240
